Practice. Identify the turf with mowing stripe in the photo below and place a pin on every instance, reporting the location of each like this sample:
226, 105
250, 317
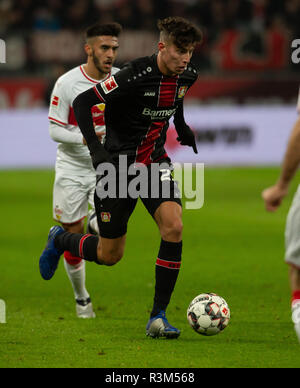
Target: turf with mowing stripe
231, 247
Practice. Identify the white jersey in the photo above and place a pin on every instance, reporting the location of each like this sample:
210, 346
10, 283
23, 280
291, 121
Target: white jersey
74, 159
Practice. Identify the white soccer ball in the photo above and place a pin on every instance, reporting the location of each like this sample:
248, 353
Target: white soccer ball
208, 314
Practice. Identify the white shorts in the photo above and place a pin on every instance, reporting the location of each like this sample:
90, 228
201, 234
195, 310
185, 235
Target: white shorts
292, 232
71, 197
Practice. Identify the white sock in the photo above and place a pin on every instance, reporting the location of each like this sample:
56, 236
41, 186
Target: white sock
296, 312
76, 274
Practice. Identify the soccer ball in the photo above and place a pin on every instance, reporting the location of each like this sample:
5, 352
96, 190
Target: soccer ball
208, 314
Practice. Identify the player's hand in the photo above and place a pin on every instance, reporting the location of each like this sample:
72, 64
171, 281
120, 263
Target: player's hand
187, 137
273, 197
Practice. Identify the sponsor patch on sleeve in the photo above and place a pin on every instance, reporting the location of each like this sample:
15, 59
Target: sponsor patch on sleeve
109, 85
55, 101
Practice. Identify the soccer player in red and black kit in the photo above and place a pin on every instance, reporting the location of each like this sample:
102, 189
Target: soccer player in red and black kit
140, 99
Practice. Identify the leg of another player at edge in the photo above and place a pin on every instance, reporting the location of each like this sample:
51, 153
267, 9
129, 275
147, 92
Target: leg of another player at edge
75, 266
169, 220
294, 275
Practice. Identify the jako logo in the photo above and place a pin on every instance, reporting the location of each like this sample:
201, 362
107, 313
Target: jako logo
2, 311
2, 51
296, 53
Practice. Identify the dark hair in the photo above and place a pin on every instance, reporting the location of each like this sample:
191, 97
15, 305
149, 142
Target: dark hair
111, 29
180, 31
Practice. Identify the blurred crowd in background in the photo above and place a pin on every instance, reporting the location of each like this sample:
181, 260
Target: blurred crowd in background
214, 15
44, 38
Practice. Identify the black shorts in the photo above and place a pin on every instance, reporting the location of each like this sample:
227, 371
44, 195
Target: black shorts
114, 210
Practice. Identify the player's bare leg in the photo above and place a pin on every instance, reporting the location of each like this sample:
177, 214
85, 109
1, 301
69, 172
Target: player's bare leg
89, 247
75, 268
110, 251
294, 275
168, 218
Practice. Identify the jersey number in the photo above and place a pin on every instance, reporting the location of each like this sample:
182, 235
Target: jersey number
166, 175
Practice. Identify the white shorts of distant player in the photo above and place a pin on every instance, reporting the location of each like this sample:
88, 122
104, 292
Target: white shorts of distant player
292, 232
71, 197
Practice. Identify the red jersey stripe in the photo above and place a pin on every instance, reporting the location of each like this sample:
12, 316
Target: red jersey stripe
166, 98
59, 122
90, 79
146, 148
167, 91
72, 119
86, 76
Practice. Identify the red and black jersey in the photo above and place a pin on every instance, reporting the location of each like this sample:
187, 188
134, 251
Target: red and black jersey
140, 100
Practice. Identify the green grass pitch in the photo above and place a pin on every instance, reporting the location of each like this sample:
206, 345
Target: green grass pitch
231, 247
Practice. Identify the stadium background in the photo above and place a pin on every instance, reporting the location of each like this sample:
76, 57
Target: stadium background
244, 61
242, 110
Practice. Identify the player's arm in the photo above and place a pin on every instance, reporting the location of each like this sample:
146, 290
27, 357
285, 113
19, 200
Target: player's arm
185, 135
292, 157
82, 108
60, 134
58, 116
274, 195
116, 87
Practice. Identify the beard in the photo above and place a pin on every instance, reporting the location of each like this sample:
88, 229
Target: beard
97, 64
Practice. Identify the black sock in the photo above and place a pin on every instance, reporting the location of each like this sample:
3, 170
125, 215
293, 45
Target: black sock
80, 245
166, 273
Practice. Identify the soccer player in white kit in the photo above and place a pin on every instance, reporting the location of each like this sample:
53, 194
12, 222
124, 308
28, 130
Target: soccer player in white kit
75, 176
273, 197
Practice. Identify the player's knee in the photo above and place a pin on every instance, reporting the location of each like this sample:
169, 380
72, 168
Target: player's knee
172, 231
112, 257
176, 229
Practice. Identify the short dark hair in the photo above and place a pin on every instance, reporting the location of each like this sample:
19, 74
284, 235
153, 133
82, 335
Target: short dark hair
109, 29
180, 31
